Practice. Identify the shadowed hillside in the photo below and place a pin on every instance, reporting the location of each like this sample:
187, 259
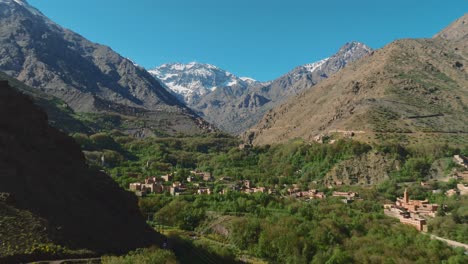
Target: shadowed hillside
44, 178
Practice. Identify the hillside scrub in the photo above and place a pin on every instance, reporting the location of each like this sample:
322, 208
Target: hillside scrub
296, 162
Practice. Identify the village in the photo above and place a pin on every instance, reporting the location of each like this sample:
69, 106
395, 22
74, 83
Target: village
199, 183
417, 212
411, 212
406, 210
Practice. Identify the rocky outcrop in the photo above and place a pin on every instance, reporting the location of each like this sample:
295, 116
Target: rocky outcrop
368, 169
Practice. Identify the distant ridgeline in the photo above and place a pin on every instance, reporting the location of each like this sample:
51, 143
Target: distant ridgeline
411, 90
51, 203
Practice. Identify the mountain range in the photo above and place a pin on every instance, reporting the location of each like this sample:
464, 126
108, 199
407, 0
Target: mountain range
174, 98
409, 90
170, 99
236, 103
89, 77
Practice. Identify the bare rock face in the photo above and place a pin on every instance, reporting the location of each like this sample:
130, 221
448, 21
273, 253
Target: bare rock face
368, 169
412, 88
87, 76
43, 171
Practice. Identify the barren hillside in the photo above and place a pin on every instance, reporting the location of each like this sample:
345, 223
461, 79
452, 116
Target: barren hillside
410, 87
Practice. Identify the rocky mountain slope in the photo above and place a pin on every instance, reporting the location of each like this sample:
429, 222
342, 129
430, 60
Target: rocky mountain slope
236, 103
45, 177
411, 87
87, 76
305, 76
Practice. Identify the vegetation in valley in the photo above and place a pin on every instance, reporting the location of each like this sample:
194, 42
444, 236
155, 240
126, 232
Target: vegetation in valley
128, 159
277, 228
283, 230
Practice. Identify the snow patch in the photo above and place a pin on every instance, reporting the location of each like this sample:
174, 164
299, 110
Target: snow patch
178, 88
248, 79
230, 83
315, 66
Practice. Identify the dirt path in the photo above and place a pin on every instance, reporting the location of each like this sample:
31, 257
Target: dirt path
451, 242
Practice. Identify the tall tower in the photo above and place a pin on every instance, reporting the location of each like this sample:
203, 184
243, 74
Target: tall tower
405, 196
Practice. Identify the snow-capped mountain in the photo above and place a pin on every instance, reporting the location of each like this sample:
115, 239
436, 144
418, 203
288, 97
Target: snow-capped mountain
236, 103
193, 80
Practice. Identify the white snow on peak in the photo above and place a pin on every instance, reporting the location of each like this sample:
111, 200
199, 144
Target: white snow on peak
196, 79
311, 67
187, 66
20, 2
248, 79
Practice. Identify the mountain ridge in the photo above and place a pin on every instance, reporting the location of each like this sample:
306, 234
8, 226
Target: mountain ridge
88, 76
410, 87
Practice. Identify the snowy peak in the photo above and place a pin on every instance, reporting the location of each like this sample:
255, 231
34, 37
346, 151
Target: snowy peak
195, 79
194, 66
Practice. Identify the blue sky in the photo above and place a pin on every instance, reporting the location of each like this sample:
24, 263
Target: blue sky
262, 39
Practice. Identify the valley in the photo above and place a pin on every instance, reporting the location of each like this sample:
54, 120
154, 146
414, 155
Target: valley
358, 157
